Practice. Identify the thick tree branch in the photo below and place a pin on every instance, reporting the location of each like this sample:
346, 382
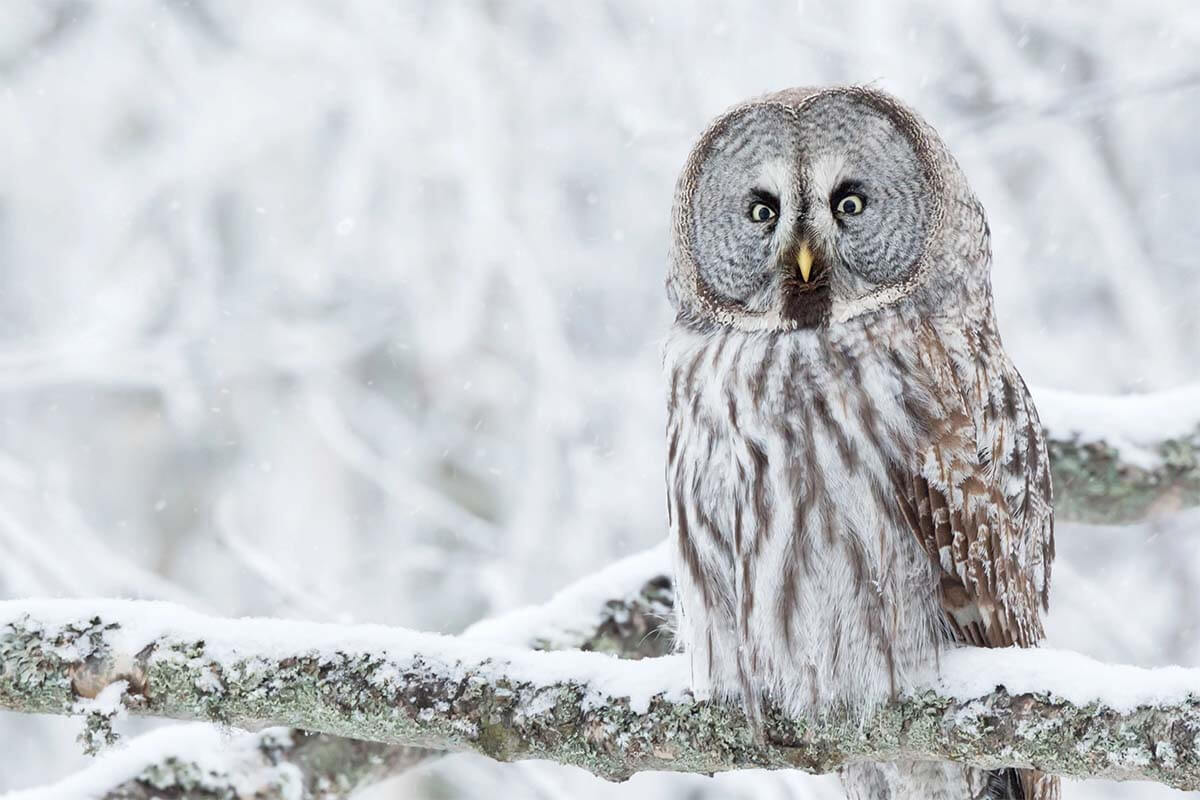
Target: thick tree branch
622, 609
1059, 712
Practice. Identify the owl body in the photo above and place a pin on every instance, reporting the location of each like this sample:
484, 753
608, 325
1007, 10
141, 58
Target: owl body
782, 448
856, 475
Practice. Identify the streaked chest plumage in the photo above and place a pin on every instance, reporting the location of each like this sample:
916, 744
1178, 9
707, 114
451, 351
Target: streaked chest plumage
797, 579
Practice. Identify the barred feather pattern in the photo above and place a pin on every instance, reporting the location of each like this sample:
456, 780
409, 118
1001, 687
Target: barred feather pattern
847, 501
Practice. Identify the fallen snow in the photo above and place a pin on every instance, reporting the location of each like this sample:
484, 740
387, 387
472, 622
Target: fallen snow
108, 703
1131, 424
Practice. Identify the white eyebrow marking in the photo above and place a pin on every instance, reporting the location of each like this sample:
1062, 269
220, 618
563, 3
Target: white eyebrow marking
826, 173
774, 176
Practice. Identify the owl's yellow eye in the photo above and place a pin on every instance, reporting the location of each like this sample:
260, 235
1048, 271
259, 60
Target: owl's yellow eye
850, 205
761, 212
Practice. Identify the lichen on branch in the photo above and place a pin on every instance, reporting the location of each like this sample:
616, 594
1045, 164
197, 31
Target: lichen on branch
1059, 712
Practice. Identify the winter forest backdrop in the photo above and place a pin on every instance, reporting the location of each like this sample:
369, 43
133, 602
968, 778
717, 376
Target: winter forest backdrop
351, 311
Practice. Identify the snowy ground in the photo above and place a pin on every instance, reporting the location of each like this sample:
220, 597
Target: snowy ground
351, 311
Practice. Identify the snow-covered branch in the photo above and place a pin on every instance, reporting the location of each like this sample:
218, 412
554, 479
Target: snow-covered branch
622, 609
1057, 711
1121, 459
201, 762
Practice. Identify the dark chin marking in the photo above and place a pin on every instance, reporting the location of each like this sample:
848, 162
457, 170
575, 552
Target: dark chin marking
806, 305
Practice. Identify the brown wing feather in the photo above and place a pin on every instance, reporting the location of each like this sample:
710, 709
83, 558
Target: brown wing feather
979, 501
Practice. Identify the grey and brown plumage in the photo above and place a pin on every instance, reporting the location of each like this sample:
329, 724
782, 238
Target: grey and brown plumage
856, 474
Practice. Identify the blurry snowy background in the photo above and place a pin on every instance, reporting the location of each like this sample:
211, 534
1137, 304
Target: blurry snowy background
351, 310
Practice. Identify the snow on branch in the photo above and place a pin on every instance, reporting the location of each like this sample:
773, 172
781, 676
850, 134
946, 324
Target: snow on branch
1058, 711
1121, 459
623, 609
201, 762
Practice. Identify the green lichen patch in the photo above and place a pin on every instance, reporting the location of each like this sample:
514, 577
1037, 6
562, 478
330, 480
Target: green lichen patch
1092, 483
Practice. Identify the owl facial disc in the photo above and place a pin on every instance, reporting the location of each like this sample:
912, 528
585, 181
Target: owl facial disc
807, 208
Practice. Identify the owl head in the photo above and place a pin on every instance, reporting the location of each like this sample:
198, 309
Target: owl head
810, 207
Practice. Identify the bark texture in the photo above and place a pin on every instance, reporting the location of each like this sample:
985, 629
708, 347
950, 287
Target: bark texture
283, 763
613, 718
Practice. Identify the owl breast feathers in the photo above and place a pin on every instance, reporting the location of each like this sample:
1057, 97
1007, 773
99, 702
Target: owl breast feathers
856, 474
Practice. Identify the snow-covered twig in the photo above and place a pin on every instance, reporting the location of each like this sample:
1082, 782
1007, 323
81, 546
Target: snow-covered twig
1058, 711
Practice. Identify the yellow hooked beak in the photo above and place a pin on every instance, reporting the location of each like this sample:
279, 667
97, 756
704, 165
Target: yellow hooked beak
804, 260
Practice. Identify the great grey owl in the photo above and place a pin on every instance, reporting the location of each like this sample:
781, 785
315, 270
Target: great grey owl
857, 478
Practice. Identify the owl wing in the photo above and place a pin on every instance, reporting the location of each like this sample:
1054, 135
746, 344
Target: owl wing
979, 501
979, 497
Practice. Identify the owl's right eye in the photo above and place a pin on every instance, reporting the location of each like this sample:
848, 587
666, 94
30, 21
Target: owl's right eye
761, 212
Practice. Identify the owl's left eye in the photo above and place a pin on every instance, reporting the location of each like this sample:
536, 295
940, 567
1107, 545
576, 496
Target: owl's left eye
761, 212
